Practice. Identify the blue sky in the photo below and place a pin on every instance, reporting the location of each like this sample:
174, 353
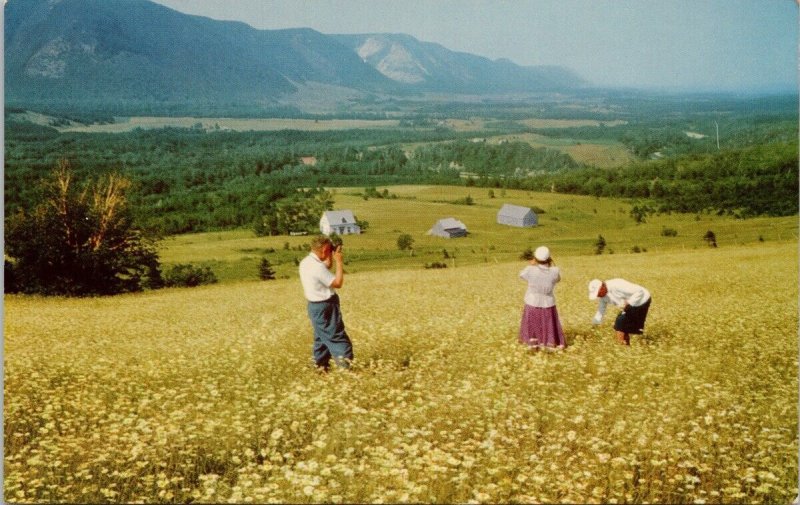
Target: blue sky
669, 44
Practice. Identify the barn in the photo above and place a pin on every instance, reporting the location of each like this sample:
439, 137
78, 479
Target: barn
516, 215
341, 222
448, 228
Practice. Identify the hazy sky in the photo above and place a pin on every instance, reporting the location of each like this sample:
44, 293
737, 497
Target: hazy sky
710, 44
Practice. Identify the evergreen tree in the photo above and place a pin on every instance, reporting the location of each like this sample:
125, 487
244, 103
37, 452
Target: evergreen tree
265, 270
710, 238
600, 245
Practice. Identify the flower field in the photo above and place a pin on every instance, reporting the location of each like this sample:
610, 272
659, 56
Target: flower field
208, 394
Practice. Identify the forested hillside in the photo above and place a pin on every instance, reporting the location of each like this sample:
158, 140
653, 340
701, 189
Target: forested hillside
195, 179
758, 180
189, 180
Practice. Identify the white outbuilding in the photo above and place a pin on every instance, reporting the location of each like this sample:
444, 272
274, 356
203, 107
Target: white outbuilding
341, 222
448, 227
517, 215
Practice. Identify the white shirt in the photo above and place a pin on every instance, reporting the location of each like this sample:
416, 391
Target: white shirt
621, 293
316, 279
541, 281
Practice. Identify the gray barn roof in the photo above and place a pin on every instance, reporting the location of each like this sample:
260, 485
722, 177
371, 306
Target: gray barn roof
449, 223
514, 211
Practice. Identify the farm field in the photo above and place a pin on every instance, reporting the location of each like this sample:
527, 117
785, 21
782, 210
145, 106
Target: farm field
600, 154
207, 394
476, 124
270, 124
570, 225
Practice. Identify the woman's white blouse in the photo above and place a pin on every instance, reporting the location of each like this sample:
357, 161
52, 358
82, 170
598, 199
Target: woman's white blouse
541, 280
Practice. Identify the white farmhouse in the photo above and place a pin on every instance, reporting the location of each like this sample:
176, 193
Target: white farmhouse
516, 215
448, 227
341, 222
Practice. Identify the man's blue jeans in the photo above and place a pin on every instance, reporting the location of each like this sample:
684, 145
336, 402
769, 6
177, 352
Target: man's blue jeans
330, 337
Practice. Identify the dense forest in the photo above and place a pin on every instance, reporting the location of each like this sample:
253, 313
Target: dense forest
758, 180
190, 179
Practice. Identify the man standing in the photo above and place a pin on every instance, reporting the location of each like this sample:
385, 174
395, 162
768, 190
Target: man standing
330, 337
634, 300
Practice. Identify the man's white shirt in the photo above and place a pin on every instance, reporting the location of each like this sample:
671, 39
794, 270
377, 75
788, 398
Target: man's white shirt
316, 279
620, 293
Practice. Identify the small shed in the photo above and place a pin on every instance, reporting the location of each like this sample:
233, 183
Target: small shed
516, 215
448, 227
341, 222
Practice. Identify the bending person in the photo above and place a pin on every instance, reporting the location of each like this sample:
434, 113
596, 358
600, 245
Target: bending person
634, 300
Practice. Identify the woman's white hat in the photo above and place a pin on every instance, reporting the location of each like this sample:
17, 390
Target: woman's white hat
542, 253
594, 287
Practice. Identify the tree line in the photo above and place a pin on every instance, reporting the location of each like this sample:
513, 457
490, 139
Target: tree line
185, 180
757, 180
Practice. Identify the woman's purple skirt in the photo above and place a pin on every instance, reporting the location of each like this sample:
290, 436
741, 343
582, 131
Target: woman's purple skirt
541, 327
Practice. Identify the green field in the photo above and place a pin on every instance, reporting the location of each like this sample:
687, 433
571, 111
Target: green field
570, 226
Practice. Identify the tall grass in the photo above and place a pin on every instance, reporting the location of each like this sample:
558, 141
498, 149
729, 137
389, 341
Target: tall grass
208, 394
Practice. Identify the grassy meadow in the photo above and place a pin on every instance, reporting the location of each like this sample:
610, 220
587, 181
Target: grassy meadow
570, 225
208, 395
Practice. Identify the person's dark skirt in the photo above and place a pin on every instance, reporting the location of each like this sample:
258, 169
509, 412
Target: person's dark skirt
632, 320
540, 327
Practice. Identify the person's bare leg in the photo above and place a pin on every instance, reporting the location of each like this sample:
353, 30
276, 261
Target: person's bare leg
623, 338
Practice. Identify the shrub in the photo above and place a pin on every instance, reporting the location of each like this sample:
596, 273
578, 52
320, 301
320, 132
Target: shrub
669, 232
188, 275
405, 242
436, 264
80, 241
639, 213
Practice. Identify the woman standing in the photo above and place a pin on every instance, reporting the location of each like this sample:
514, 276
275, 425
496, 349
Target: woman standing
540, 327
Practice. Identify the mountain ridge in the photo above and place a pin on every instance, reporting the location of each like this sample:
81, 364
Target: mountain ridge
85, 52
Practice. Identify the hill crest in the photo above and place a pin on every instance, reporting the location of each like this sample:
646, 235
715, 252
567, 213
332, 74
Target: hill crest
85, 52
